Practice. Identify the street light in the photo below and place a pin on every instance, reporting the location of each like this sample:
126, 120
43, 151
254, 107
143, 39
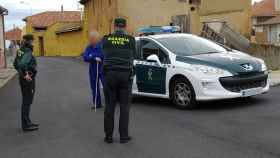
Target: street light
28, 4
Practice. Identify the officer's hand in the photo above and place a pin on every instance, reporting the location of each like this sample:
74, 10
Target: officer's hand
27, 77
98, 59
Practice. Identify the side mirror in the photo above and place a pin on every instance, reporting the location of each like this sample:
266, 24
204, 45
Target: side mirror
154, 58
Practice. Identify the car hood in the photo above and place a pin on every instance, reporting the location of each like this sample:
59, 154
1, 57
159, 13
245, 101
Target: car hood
233, 61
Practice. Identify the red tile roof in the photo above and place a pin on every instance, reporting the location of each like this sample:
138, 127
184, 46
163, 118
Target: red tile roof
14, 34
48, 18
264, 8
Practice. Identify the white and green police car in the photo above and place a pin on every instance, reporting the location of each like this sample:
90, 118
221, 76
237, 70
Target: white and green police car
187, 68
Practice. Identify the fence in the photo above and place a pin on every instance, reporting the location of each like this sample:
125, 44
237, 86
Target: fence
270, 53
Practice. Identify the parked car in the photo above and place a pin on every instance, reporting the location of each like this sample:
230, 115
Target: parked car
186, 68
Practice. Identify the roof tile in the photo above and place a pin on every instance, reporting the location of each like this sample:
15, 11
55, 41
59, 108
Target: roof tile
14, 34
264, 8
48, 18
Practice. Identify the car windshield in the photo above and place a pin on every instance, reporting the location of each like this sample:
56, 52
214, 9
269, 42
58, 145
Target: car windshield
190, 45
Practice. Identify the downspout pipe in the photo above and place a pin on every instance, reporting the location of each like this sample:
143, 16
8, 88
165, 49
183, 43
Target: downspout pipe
3, 22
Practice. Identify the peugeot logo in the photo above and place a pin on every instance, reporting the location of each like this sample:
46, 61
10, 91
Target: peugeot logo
247, 67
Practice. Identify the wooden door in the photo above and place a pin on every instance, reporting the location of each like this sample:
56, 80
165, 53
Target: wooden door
41, 46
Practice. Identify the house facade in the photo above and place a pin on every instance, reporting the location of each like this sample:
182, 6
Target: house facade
266, 21
3, 12
56, 33
189, 14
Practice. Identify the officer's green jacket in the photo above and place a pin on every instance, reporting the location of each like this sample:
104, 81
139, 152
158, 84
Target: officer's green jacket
25, 61
119, 51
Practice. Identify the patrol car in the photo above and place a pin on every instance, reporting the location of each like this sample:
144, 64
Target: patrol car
186, 68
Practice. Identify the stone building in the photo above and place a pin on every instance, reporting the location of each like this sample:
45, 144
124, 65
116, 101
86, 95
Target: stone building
189, 14
266, 21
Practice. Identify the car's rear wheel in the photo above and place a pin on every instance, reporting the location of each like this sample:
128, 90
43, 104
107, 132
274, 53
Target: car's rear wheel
182, 94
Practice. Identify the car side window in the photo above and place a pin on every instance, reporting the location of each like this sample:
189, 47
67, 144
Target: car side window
138, 50
149, 48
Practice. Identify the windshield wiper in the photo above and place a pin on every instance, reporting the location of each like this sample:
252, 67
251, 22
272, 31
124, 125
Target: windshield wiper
226, 47
213, 52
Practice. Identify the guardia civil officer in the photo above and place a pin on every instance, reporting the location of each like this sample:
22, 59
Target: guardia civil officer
25, 63
119, 51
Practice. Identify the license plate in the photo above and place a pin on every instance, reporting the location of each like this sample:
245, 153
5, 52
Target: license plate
251, 92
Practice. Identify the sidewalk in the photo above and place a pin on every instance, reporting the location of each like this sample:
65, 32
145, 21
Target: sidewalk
6, 75
275, 78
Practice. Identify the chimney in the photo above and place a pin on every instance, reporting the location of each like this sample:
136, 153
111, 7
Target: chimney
62, 10
277, 5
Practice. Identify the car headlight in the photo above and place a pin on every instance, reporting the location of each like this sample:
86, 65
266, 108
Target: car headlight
208, 70
264, 67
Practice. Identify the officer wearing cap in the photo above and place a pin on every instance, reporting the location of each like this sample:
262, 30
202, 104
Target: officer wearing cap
119, 51
25, 63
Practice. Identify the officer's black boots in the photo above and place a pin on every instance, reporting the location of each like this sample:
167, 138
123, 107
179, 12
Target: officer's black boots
108, 140
125, 140
30, 128
35, 125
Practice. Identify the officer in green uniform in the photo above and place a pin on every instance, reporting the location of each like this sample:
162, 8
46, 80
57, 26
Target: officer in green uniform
25, 63
119, 51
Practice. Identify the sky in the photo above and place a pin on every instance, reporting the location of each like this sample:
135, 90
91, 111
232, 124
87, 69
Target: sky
19, 9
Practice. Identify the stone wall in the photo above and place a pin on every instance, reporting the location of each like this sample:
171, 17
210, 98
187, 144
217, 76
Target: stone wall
270, 53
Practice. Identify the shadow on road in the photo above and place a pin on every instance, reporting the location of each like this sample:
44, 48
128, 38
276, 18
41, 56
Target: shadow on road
218, 105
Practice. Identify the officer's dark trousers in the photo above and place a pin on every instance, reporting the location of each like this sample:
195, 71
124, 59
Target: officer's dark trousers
117, 88
28, 90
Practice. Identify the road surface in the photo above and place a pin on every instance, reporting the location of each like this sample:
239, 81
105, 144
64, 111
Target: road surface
221, 129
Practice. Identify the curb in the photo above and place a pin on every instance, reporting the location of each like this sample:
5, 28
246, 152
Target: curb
7, 79
274, 84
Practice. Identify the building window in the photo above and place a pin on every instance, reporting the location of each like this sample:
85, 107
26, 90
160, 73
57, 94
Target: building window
40, 29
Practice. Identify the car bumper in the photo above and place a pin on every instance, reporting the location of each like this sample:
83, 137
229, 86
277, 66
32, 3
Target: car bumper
214, 89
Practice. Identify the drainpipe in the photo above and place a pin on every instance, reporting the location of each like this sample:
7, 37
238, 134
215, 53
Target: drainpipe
5, 59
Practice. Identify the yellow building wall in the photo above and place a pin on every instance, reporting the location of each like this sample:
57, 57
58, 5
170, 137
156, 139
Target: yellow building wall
66, 44
237, 13
150, 12
71, 43
30, 30
99, 15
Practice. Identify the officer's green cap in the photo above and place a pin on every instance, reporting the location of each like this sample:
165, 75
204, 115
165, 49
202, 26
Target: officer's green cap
28, 37
120, 22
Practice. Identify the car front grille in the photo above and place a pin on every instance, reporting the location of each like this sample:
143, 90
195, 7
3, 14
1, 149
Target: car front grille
244, 82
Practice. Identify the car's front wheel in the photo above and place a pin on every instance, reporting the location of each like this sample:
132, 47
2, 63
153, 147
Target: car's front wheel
182, 94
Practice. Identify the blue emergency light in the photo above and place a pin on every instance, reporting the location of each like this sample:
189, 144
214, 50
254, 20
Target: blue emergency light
158, 29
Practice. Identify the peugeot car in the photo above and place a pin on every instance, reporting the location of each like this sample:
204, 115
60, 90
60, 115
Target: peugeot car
186, 68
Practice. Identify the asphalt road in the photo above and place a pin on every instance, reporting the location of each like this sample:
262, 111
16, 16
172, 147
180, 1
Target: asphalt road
221, 129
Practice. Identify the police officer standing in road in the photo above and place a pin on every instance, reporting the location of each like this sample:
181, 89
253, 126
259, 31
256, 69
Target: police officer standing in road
25, 63
119, 51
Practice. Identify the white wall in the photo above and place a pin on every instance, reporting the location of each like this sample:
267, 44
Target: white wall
277, 5
1, 33
273, 34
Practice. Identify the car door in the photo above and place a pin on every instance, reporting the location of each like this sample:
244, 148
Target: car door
151, 76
